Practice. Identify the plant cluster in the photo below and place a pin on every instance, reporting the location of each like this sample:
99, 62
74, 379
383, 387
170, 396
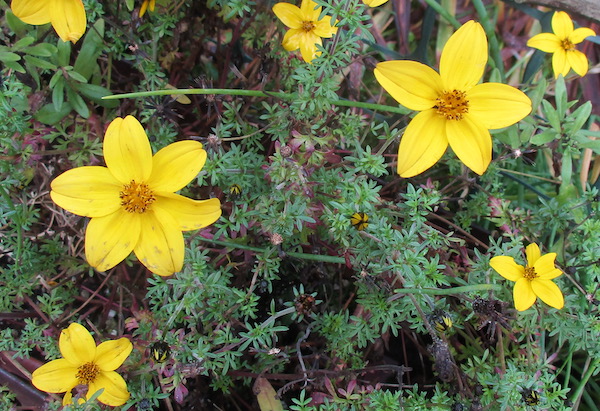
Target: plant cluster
347, 253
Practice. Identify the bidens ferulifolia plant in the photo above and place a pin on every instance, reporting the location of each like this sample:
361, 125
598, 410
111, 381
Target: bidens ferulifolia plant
339, 256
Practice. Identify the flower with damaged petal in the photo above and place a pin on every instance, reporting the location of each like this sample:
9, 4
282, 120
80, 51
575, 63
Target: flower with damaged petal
84, 363
132, 201
454, 109
533, 280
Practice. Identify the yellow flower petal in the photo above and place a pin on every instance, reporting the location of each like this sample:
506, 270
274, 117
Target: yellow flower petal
423, 143
523, 294
143, 8
288, 14
578, 62
562, 25
325, 28
174, 166
111, 354
55, 376
87, 191
507, 267
308, 46
497, 105
548, 293
560, 65
545, 268
127, 151
310, 10
532, 252
464, 57
147, 5
67, 398
190, 214
374, 3
291, 39
115, 389
161, 246
414, 85
471, 142
68, 19
32, 11
547, 42
77, 345
581, 34
109, 239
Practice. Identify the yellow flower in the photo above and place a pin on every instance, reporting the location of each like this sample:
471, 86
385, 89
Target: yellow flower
533, 280
562, 43
67, 16
305, 28
147, 5
374, 3
360, 221
454, 109
132, 201
84, 363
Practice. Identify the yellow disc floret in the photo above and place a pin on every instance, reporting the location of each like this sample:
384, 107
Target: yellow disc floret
452, 104
136, 197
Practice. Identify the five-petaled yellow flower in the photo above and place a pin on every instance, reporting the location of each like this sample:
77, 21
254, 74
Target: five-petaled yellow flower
67, 16
562, 43
454, 109
132, 201
147, 5
305, 28
84, 363
532, 281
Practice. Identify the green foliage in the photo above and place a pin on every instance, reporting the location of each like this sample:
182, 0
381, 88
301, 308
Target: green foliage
283, 285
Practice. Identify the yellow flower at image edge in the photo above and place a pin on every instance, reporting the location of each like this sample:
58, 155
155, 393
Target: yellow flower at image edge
305, 28
147, 5
132, 201
84, 363
454, 109
374, 3
532, 281
67, 16
562, 43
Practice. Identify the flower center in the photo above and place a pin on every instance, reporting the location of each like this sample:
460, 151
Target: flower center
308, 26
452, 104
530, 273
87, 373
136, 198
567, 45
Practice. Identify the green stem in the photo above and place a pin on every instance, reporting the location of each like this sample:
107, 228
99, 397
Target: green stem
584, 379
255, 93
314, 257
489, 27
443, 12
444, 291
